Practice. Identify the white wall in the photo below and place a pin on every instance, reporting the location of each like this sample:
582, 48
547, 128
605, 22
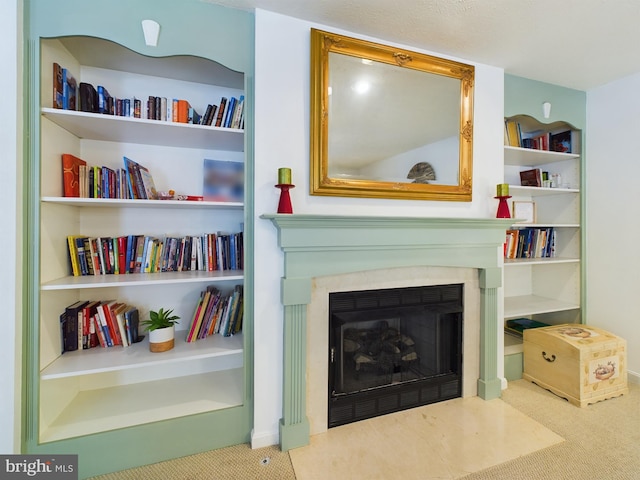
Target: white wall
613, 210
9, 178
282, 140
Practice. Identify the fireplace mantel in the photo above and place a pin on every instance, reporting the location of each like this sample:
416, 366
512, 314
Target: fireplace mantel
319, 245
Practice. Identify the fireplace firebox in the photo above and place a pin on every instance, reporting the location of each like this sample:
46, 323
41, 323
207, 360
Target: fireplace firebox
393, 349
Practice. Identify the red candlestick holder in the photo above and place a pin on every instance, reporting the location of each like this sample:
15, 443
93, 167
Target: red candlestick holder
503, 207
284, 205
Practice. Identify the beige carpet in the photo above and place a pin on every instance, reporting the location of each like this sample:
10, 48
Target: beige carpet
602, 441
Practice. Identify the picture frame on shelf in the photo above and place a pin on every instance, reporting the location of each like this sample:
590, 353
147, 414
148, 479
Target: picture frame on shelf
524, 211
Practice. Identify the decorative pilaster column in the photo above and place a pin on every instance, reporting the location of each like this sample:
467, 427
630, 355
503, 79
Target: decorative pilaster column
294, 424
489, 385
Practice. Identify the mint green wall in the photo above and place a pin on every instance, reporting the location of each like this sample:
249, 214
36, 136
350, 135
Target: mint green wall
525, 96
188, 27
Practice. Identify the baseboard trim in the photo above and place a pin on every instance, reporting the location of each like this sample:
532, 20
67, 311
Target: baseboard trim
264, 439
633, 377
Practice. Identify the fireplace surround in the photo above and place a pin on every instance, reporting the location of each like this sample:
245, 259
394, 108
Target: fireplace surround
323, 245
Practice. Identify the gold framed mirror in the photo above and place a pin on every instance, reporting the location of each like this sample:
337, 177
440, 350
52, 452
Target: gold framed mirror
388, 122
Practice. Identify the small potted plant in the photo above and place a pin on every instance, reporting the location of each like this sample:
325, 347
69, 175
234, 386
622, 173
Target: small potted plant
161, 328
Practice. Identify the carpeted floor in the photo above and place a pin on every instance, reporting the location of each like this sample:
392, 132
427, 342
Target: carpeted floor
602, 441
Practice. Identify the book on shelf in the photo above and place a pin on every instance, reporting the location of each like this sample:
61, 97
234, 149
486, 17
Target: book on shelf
216, 313
561, 142
126, 254
531, 178
513, 134
221, 111
57, 86
223, 181
531, 243
517, 326
88, 98
71, 174
88, 324
69, 90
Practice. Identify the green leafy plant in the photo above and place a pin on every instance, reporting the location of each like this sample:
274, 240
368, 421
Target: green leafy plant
160, 319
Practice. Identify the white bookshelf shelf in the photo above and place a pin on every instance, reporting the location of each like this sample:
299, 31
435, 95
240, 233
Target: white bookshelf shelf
546, 225
519, 190
111, 128
512, 262
105, 409
101, 360
141, 279
528, 157
122, 203
524, 305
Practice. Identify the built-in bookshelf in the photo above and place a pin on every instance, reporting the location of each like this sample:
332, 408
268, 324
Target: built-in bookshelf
548, 288
174, 153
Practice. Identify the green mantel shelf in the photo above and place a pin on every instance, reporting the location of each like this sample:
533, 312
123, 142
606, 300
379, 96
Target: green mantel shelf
318, 245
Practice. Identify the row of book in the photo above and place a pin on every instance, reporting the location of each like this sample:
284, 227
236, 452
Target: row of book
530, 243
217, 313
146, 254
69, 95
101, 323
554, 142
133, 181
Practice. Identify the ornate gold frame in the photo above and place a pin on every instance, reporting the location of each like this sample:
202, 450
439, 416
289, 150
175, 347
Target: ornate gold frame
322, 43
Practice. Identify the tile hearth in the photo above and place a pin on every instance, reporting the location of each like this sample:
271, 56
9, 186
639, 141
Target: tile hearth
446, 440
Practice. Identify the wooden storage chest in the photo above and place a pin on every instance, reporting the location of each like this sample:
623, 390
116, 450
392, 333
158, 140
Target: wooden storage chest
581, 363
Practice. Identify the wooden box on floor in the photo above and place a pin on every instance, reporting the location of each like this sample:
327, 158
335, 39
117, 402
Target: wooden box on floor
581, 363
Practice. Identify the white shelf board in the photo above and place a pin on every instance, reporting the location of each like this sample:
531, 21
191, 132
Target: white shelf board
511, 262
546, 225
101, 360
141, 279
528, 157
523, 305
121, 203
519, 190
110, 128
105, 409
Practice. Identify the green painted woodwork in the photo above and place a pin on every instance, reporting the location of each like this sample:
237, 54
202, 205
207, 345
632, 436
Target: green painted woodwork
513, 366
523, 96
318, 245
188, 27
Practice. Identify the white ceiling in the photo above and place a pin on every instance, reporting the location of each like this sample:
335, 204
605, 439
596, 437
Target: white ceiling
575, 43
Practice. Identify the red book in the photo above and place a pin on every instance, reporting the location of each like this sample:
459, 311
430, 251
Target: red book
223, 104
104, 310
122, 255
71, 174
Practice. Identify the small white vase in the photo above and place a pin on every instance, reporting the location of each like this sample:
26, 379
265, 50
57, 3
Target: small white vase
161, 339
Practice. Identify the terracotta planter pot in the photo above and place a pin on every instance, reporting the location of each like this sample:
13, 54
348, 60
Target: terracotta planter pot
161, 339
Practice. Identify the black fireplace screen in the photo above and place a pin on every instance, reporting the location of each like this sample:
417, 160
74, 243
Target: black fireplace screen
393, 349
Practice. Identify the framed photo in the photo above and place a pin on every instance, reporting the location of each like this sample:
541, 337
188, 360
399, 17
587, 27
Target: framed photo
524, 212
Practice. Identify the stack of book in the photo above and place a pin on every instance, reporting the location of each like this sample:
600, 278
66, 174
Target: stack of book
102, 323
146, 254
217, 313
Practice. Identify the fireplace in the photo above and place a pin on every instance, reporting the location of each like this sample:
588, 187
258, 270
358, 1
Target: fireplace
318, 247
393, 349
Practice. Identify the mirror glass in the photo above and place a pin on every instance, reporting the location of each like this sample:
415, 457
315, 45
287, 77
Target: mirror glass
388, 123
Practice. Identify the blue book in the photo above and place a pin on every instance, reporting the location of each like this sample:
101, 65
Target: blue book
233, 101
103, 100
